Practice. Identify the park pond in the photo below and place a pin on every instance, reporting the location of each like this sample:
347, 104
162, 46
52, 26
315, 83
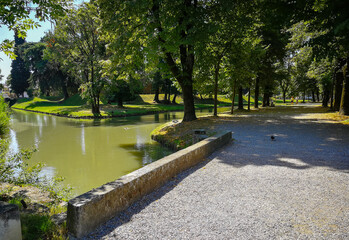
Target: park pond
89, 153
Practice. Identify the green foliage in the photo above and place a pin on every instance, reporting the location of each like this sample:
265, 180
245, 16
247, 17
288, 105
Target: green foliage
118, 91
37, 226
4, 119
15, 16
308, 73
142, 31
19, 71
77, 46
75, 100
46, 77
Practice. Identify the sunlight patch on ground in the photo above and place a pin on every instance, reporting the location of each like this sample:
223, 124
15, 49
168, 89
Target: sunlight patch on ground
331, 139
293, 161
334, 117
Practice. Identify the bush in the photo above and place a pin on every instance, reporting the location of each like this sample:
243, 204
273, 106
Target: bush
4, 118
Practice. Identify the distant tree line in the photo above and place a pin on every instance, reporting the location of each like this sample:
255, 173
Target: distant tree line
113, 49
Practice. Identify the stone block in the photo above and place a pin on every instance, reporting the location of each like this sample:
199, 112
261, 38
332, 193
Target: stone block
10, 223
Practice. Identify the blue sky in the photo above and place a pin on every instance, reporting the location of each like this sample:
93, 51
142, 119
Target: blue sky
33, 35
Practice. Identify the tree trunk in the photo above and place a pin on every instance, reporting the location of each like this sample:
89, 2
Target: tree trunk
65, 90
338, 91
313, 95
318, 95
344, 107
304, 96
184, 75
120, 102
284, 96
156, 97
249, 100
256, 93
268, 100
188, 100
240, 99
332, 88
95, 107
174, 98
63, 85
165, 97
233, 99
169, 92
265, 99
326, 98
215, 89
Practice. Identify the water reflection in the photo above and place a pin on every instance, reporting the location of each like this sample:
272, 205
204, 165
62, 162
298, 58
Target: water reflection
146, 152
83, 149
89, 153
14, 147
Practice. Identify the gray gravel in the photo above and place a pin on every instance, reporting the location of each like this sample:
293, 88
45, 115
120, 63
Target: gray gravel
293, 188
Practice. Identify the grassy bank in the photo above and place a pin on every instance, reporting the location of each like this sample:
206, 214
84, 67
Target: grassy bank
75, 107
180, 135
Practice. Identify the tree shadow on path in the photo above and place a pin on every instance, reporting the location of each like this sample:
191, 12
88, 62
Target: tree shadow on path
298, 144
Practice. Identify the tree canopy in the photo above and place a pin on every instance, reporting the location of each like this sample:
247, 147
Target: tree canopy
272, 48
15, 15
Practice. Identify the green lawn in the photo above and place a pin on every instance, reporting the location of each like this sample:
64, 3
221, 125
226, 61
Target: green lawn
78, 108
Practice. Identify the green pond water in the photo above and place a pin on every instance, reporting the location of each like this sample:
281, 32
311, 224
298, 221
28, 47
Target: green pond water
89, 153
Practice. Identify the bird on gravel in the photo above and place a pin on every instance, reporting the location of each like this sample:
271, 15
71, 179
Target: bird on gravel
272, 138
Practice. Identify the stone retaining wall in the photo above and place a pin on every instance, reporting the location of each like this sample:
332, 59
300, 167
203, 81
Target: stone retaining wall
87, 211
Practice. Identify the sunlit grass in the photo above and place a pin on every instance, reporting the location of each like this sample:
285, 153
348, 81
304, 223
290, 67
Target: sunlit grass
77, 108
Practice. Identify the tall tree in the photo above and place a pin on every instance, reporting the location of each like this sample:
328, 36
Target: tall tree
19, 72
331, 19
284, 77
76, 44
276, 17
45, 73
170, 28
175, 30
233, 28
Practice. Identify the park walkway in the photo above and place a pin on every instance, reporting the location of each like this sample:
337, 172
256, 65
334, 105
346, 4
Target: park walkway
296, 187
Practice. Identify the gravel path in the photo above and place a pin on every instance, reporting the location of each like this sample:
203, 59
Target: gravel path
296, 187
